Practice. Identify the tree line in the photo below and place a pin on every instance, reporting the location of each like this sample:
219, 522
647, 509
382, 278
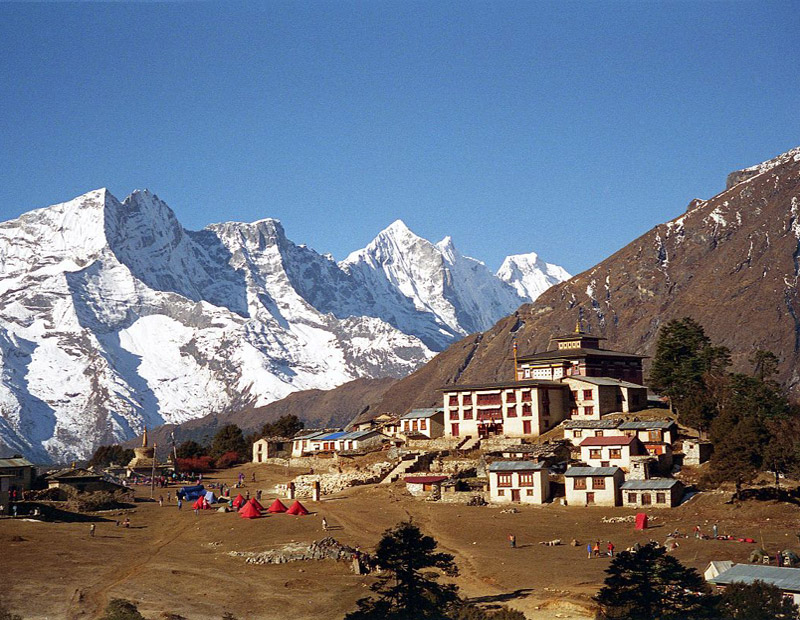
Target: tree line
228, 447
748, 417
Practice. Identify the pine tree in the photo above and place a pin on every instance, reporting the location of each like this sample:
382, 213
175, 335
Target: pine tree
651, 584
686, 367
285, 426
229, 439
409, 590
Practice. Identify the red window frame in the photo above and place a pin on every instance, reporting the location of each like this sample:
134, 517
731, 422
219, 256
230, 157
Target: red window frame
504, 480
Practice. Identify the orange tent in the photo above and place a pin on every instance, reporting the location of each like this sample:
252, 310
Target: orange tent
248, 511
276, 506
297, 509
239, 501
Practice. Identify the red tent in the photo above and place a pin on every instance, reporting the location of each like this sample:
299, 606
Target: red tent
239, 501
200, 503
248, 511
297, 509
255, 503
276, 506
641, 521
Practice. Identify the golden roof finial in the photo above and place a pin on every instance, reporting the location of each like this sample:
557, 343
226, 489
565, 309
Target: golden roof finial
144, 438
578, 327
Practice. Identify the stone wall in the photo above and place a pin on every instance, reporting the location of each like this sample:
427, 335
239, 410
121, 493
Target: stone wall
428, 445
455, 467
331, 483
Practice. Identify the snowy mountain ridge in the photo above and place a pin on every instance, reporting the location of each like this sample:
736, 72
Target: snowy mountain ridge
113, 317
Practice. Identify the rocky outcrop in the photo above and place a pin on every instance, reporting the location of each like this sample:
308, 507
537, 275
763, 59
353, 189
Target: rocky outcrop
325, 549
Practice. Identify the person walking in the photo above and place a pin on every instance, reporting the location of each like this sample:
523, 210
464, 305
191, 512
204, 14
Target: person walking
715, 529
161, 501
697, 531
589, 551
512, 540
610, 547
324, 524
92, 528
253, 479
596, 549
180, 503
169, 497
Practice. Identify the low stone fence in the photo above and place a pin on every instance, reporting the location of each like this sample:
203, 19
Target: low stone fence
455, 467
428, 445
306, 462
331, 483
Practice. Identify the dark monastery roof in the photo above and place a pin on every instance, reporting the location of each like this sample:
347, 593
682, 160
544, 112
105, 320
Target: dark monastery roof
527, 383
579, 352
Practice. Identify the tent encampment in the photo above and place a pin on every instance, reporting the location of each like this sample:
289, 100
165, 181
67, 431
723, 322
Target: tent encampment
249, 510
210, 497
238, 501
190, 493
276, 506
297, 509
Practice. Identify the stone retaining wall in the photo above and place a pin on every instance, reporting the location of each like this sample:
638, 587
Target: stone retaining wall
331, 483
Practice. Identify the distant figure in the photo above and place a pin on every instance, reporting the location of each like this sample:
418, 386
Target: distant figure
161, 501
697, 531
589, 551
715, 529
247, 495
324, 524
254, 477
14, 510
610, 547
596, 549
169, 497
126, 522
180, 503
92, 528
512, 540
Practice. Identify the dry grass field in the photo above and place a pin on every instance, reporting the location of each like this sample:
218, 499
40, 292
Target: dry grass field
176, 562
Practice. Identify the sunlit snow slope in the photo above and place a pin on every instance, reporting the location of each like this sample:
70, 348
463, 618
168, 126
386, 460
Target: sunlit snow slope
113, 317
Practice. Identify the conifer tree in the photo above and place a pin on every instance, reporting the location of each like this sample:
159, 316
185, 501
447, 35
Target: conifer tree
651, 584
756, 601
410, 590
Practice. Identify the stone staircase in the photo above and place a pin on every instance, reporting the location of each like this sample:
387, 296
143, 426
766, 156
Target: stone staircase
469, 443
408, 463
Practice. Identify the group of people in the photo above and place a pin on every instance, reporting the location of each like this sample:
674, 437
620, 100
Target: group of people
594, 550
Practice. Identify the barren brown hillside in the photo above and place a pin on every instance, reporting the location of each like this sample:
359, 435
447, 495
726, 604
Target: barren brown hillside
731, 262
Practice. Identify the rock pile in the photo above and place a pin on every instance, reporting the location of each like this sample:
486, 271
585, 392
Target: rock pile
325, 549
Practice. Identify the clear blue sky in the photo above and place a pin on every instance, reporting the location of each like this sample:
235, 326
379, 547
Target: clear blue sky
568, 128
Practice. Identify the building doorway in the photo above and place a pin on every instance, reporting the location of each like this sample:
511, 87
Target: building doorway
514, 495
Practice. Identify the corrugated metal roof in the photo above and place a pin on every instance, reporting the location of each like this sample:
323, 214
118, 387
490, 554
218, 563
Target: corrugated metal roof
15, 462
591, 424
420, 413
591, 471
337, 435
515, 466
616, 440
653, 483
644, 425
785, 578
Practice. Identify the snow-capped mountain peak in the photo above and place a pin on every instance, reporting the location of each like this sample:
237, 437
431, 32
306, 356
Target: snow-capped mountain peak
529, 275
113, 316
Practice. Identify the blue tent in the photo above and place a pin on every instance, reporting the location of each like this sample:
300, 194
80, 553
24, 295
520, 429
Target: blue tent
190, 493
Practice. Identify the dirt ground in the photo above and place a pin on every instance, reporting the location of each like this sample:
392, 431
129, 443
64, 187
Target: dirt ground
173, 561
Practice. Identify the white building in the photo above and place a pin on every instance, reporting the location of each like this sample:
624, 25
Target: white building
512, 409
610, 451
652, 493
321, 442
523, 482
576, 430
422, 422
271, 447
593, 397
785, 578
593, 486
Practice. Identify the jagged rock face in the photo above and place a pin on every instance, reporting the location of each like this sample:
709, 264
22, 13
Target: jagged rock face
113, 317
731, 262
